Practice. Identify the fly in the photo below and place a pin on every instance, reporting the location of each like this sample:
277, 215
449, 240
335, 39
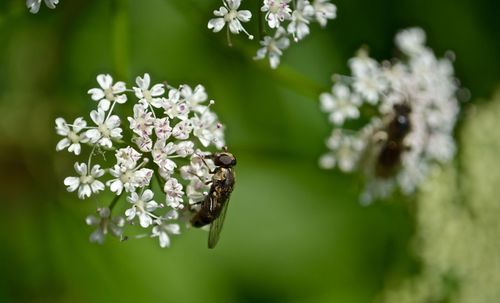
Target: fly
389, 157
214, 207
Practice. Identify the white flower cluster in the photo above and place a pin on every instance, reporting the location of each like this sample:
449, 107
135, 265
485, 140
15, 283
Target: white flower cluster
422, 83
168, 134
34, 5
284, 17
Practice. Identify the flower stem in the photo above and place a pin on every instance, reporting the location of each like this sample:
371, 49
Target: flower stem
120, 38
115, 200
262, 32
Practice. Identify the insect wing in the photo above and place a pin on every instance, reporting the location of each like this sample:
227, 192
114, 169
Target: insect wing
216, 227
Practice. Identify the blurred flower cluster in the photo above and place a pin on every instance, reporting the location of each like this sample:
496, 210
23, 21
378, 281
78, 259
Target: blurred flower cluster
285, 18
166, 136
457, 224
406, 108
34, 5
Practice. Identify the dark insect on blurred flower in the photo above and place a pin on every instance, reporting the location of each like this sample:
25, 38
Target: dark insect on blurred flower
414, 109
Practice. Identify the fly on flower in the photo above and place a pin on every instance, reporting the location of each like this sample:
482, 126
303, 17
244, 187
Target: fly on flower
214, 206
413, 107
397, 128
168, 127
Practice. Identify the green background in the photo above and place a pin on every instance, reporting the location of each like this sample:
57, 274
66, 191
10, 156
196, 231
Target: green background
294, 233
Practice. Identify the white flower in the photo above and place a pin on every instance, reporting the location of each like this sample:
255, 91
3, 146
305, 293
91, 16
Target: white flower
142, 122
208, 129
87, 183
34, 5
128, 178
345, 151
175, 107
105, 224
173, 190
162, 128
107, 129
276, 11
411, 41
142, 207
146, 95
108, 92
341, 104
369, 80
162, 154
127, 157
299, 27
185, 148
228, 13
162, 230
272, 47
145, 144
182, 130
71, 138
193, 98
324, 10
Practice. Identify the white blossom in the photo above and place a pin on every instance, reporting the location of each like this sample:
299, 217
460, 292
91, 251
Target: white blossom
142, 122
301, 16
194, 98
229, 13
208, 129
72, 136
34, 5
273, 47
149, 96
108, 92
142, 207
163, 154
162, 128
87, 182
127, 157
324, 10
175, 107
276, 11
182, 130
163, 229
174, 193
340, 104
107, 129
105, 224
128, 179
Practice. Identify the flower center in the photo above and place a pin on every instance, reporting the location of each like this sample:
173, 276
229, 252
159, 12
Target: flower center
86, 179
73, 137
147, 95
127, 176
275, 6
104, 130
231, 15
108, 92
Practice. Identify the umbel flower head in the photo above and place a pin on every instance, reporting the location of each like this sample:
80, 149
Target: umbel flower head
411, 131
284, 20
157, 152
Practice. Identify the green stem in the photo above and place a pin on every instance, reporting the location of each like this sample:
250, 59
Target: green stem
262, 32
120, 38
113, 203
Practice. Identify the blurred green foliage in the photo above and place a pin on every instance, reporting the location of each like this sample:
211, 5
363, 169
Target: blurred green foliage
293, 233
